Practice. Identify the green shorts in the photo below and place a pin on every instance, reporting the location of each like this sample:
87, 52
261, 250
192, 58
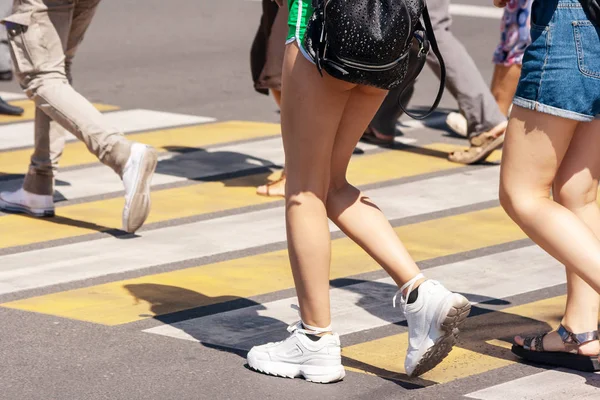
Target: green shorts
300, 13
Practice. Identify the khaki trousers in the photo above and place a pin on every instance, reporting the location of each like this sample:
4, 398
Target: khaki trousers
5, 61
44, 36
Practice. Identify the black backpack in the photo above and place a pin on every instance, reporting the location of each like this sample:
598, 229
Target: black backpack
368, 42
592, 10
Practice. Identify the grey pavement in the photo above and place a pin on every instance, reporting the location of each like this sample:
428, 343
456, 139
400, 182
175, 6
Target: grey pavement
192, 57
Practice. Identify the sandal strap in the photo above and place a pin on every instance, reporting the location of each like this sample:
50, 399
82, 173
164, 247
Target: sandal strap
569, 337
537, 341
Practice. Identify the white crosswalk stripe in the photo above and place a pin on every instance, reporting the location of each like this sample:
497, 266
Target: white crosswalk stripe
369, 305
10, 96
554, 385
21, 134
39, 268
358, 305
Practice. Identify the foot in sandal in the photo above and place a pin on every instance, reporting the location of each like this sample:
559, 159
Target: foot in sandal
481, 146
273, 189
372, 136
561, 348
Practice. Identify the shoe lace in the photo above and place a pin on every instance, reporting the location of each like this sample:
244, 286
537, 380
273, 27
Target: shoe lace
302, 327
408, 286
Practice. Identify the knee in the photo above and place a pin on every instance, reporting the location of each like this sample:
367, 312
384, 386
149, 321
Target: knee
35, 84
575, 191
304, 198
519, 205
299, 193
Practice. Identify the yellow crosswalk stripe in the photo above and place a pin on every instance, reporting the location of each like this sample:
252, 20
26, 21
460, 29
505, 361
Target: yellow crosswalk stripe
120, 302
75, 153
197, 199
29, 111
484, 345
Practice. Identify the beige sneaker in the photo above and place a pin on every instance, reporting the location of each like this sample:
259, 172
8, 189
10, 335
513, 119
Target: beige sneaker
21, 201
137, 178
458, 123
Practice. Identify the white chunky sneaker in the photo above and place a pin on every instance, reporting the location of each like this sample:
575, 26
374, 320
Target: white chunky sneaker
22, 201
458, 123
433, 323
298, 356
137, 178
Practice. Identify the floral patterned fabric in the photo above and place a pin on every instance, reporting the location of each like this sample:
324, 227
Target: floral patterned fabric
515, 35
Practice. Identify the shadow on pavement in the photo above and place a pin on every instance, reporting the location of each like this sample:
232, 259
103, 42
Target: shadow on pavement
196, 164
175, 305
479, 334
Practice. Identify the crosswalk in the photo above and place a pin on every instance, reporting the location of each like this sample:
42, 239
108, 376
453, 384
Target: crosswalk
211, 264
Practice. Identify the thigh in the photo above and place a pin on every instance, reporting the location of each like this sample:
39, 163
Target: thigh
577, 178
82, 18
38, 33
360, 108
311, 110
534, 148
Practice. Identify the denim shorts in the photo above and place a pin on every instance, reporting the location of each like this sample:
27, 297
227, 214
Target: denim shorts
561, 67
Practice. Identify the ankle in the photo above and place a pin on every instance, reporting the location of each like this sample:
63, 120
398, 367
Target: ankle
414, 288
316, 330
578, 326
408, 292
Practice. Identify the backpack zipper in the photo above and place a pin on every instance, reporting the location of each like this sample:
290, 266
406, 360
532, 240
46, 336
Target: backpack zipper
370, 67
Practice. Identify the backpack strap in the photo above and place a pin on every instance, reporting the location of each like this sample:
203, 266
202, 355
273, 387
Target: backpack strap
427, 41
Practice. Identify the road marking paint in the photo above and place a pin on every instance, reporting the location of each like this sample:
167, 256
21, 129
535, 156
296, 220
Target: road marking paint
360, 306
44, 267
467, 10
135, 299
172, 139
11, 96
560, 384
176, 167
386, 355
20, 135
204, 198
15, 124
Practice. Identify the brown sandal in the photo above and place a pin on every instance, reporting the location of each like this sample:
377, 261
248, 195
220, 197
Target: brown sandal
533, 350
265, 190
481, 146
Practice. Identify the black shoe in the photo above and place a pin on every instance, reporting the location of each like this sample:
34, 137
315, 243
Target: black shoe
6, 75
8, 109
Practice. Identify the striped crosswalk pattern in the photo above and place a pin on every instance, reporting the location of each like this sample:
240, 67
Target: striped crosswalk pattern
211, 264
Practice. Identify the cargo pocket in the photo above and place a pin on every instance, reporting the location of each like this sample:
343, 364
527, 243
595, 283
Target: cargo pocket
24, 37
587, 41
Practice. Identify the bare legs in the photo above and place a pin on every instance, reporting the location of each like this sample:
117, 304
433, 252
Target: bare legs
561, 153
322, 120
274, 188
504, 85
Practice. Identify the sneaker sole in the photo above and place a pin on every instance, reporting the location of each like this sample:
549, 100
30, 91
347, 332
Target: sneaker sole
140, 202
456, 127
17, 208
450, 323
311, 373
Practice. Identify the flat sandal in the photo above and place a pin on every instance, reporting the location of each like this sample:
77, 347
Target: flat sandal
533, 351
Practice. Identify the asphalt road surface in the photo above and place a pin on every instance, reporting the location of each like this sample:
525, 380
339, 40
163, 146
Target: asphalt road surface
90, 313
